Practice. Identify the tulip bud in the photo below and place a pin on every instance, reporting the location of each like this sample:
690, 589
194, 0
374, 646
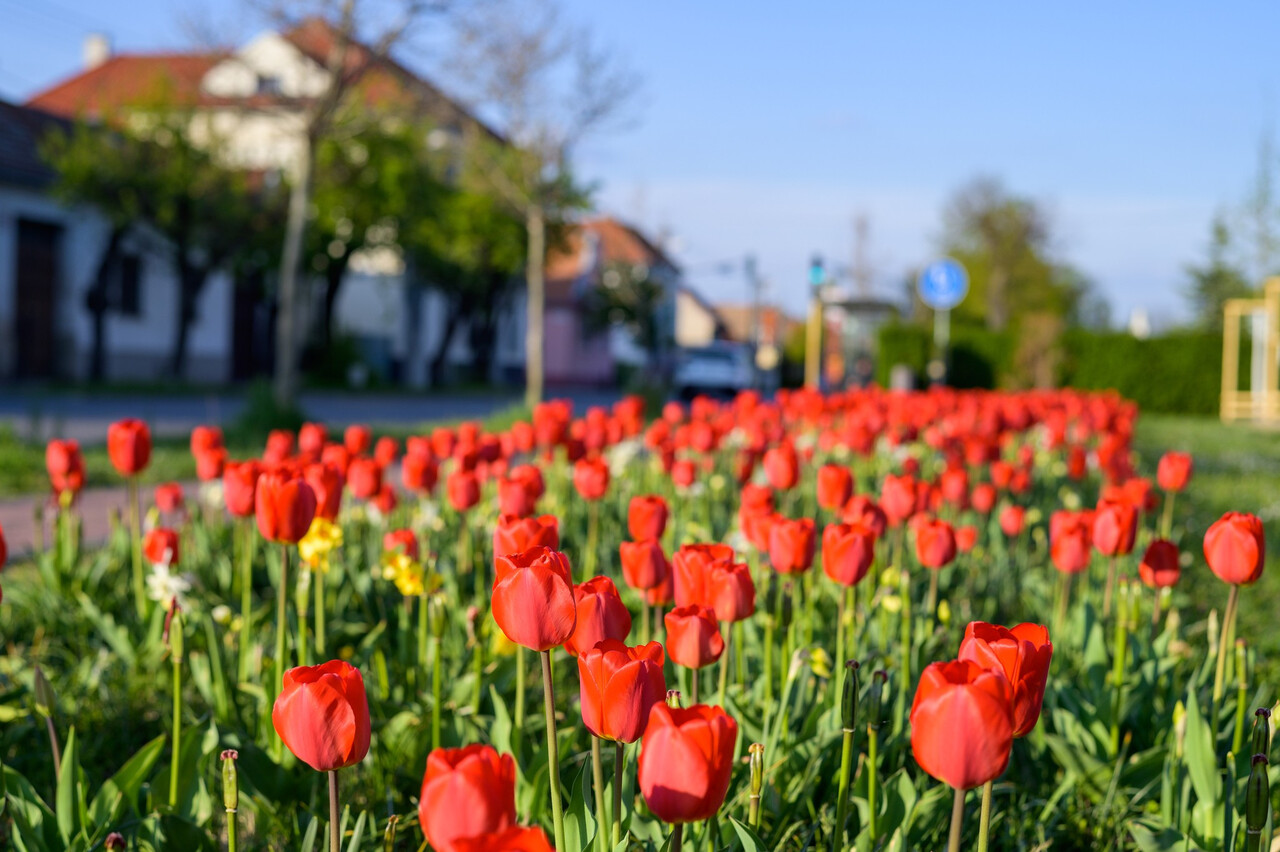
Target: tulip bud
1179, 729
849, 700
389, 836
115, 840
875, 699
436, 616
673, 698
173, 631
230, 782
1262, 731
1242, 665
756, 762
1257, 798
46, 700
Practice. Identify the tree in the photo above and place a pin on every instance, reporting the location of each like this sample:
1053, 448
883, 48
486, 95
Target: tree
550, 88
1004, 242
1217, 279
628, 298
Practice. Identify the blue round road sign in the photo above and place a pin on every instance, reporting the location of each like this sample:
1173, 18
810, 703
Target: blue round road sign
943, 284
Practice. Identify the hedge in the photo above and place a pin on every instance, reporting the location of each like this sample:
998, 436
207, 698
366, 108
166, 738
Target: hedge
1176, 373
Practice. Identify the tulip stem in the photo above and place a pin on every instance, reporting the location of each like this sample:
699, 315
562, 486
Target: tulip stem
618, 760
597, 781
553, 752
872, 737
1117, 672
246, 594
1227, 619
435, 693
957, 821
727, 629
177, 728
318, 578
835, 686
739, 658
335, 839
520, 700
593, 539
677, 837
282, 616
1111, 583
1166, 522
931, 602
842, 801
135, 536
1064, 600
694, 677
984, 824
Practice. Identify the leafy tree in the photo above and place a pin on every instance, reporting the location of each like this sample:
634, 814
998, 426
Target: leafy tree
629, 298
1210, 284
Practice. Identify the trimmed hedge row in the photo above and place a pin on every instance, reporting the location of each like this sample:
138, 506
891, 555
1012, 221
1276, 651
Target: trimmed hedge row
1176, 373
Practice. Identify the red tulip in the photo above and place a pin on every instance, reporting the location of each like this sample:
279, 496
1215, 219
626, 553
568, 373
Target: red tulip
683, 473
285, 506
168, 497
730, 591
935, 542
835, 486
966, 538
533, 601
326, 484
782, 467
601, 615
983, 498
514, 498
336, 455
322, 714
279, 447
619, 686
646, 517
791, 545
418, 472
1160, 566
662, 594
385, 501
210, 464
1115, 525
690, 565
364, 478
205, 439
591, 477
240, 486
1023, 653
402, 540
463, 489
311, 439
1235, 548
644, 565
357, 439
466, 792
516, 535
160, 546
1011, 520
1174, 471
686, 759
848, 551
129, 446
862, 509
1070, 540
514, 839
755, 500
693, 636
898, 498
954, 486
962, 723
386, 451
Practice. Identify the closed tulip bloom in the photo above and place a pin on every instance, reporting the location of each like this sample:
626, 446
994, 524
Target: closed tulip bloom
935, 542
1139, 492
730, 591
835, 486
782, 467
756, 500
644, 564
337, 456
686, 759
983, 498
646, 517
1235, 548
1023, 653
386, 451
326, 484
601, 615
357, 439
898, 498
757, 528
683, 473
662, 594
1115, 525
516, 535
205, 438
466, 792
1077, 462
402, 540
168, 497
279, 447
285, 506
1011, 520
690, 565
954, 486
966, 538
210, 464
591, 477
364, 478
619, 686
463, 489
862, 509
386, 500
129, 446
848, 551
514, 839
533, 601
1070, 541
693, 636
1174, 471
322, 715
1160, 566
791, 545
311, 439
514, 498
419, 472
962, 723
240, 486
160, 546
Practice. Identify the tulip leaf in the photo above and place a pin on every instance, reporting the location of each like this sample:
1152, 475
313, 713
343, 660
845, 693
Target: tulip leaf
309, 839
1201, 761
66, 805
749, 839
122, 788
357, 833
579, 823
1149, 840
500, 730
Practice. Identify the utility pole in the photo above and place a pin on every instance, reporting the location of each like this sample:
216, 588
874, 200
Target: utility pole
757, 294
813, 334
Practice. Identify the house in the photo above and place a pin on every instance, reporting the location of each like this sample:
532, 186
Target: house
49, 264
591, 251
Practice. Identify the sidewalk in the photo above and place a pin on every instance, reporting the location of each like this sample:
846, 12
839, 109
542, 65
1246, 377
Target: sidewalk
22, 536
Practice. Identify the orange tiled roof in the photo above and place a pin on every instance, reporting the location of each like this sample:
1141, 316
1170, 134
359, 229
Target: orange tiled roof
616, 243
128, 79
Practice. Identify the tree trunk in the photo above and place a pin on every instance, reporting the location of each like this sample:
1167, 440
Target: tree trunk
333, 284
484, 328
535, 223
451, 322
286, 378
97, 304
191, 279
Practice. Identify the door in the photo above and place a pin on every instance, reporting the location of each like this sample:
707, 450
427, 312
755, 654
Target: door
35, 298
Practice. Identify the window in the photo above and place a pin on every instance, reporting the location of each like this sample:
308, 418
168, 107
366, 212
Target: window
268, 84
127, 292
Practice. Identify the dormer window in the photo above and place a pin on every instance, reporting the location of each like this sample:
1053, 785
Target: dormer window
268, 84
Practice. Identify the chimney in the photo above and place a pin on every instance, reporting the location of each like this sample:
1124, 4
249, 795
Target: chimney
96, 50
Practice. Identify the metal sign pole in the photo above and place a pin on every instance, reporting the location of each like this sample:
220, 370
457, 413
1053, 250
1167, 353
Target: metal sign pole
942, 343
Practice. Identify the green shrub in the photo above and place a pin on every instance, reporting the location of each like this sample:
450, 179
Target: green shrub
1176, 373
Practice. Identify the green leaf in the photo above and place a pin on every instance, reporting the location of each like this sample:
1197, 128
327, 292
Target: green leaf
357, 833
66, 805
579, 824
1201, 761
748, 838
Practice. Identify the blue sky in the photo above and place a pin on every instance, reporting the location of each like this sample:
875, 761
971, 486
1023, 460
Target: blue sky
767, 128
